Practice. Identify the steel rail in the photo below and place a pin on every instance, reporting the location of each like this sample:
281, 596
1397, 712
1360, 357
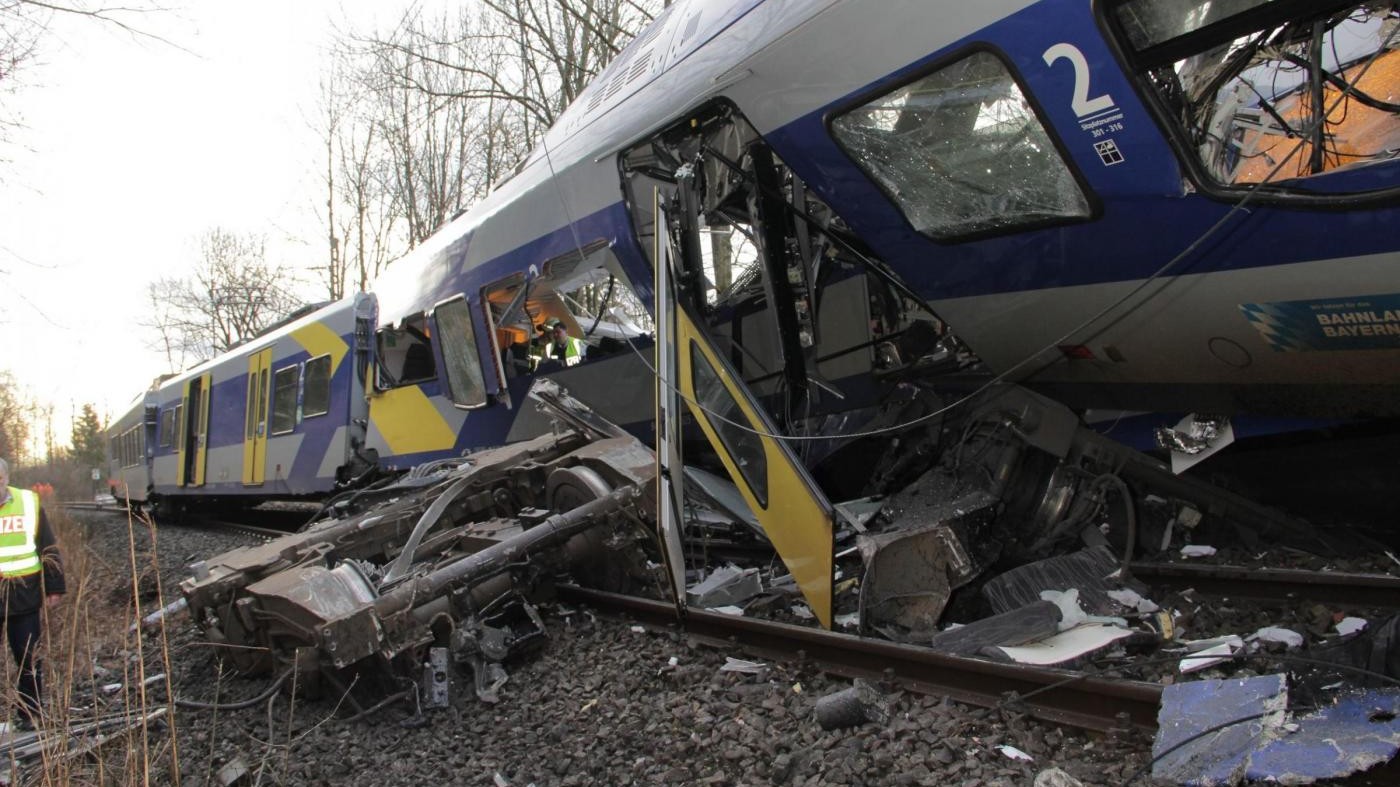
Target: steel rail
263, 533
1276, 584
1057, 696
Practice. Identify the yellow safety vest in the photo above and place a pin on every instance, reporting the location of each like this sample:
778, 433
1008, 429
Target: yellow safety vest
573, 349
19, 534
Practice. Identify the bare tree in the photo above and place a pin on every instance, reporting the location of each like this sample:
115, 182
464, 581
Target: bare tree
232, 293
422, 119
25, 23
16, 415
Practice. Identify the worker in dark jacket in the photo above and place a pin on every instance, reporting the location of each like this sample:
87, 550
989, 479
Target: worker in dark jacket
31, 578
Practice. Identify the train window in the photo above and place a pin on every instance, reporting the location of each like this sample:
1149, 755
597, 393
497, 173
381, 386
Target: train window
316, 384
464, 377
725, 415
1261, 91
962, 152
405, 354
284, 399
167, 427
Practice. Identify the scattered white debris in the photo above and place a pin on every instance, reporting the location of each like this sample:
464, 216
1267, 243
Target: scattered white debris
1197, 550
1393, 558
638, 630
1071, 614
1014, 753
729, 609
732, 664
1066, 645
849, 620
1205, 653
1278, 635
802, 612
1133, 600
673, 661
1350, 625
111, 688
500, 781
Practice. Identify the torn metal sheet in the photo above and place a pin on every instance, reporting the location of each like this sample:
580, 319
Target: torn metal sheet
1188, 750
725, 586
911, 571
909, 576
1093, 572
1030, 623
1194, 439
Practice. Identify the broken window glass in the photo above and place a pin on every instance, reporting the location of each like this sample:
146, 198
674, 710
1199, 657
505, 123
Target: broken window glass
1150, 22
1291, 98
961, 151
464, 377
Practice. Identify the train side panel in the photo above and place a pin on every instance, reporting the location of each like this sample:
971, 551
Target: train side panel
279, 417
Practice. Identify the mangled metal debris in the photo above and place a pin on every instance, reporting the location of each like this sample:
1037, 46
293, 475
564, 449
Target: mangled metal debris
1009, 534
424, 571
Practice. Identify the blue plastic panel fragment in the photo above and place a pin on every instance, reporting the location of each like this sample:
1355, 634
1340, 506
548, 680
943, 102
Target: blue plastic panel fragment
1220, 757
1358, 732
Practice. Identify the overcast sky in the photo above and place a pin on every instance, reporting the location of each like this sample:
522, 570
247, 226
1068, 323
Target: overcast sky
132, 149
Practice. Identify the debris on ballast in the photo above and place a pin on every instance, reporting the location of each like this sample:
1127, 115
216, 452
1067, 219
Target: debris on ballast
851, 707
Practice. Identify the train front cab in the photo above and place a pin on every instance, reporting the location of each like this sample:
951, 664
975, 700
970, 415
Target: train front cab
453, 377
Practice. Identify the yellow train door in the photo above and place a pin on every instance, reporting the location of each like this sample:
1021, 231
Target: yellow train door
793, 512
255, 418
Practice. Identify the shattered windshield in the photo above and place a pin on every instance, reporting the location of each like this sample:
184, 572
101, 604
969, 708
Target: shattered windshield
1291, 98
961, 151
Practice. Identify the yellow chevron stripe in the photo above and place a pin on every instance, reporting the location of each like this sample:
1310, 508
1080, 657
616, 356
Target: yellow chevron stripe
317, 340
409, 423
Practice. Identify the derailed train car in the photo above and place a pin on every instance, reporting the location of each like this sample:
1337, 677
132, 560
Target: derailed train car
281, 416
850, 261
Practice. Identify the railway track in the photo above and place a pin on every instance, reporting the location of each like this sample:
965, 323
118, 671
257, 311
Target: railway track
1054, 695
1058, 696
1358, 590
263, 533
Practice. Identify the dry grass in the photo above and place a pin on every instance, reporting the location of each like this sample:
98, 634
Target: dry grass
95, 666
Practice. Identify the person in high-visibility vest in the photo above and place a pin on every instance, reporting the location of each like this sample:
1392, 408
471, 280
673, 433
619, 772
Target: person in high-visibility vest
31, 579
562, 346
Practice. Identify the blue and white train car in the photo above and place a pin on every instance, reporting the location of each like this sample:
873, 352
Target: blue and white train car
1167, 205
280, 417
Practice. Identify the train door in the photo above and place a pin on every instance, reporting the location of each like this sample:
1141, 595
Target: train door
792, 511
255, 418
194, 447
